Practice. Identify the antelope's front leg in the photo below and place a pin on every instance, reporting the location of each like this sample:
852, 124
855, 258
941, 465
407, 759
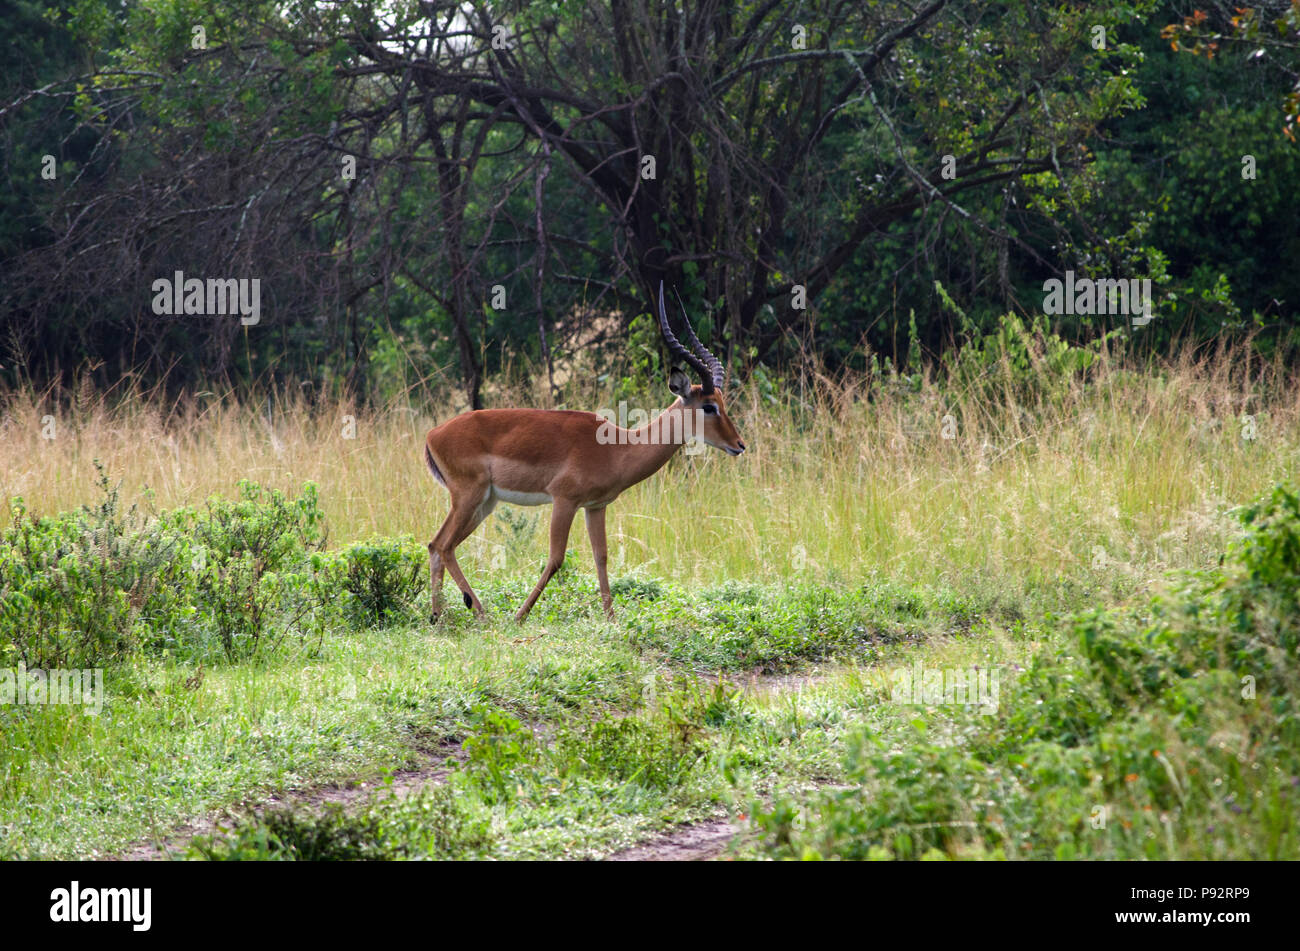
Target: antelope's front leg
600, 551
561, 521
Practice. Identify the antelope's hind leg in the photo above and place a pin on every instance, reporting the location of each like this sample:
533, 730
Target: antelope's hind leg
435, 583
464, 517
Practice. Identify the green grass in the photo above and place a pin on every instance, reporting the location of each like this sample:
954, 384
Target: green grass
162, 751
581, 737
72, 784
1162, 730
252, 646
598, 780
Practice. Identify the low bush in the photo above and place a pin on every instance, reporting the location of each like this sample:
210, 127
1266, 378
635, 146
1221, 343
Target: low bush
431, 824
381, 580
92, 588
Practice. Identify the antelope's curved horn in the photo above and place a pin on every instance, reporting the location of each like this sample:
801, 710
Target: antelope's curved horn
716, 372
706, 373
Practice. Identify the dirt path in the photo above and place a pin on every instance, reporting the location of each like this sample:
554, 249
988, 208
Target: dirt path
696, 842
708, 840
757, 683
405, 783
692, 842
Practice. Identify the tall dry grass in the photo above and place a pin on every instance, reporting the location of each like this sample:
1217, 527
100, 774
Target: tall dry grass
1096, 482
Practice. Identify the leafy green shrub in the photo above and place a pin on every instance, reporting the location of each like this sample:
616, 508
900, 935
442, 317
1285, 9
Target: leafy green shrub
430, 824
1257, 602
250, 564
381, 580
659, 750
87, 588
251, 610
634, 588
90, 588
903, 801
499, 745
291, 835
275, 531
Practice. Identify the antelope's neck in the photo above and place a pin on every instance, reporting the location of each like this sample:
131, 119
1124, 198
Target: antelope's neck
648, 448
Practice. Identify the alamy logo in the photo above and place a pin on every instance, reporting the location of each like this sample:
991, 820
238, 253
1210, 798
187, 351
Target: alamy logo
25, 687
636, 428
1087, 296
931, 686
216, 296
74, 904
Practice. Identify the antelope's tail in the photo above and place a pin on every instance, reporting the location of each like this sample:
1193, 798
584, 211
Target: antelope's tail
433, 466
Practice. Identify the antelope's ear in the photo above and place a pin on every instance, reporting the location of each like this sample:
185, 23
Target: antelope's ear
679, 383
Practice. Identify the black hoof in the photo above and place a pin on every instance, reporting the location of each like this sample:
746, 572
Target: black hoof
469, 602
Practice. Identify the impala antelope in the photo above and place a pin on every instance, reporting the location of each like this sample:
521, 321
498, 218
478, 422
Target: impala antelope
567, 459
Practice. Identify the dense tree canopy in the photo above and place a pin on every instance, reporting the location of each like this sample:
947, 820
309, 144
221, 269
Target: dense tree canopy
423, 186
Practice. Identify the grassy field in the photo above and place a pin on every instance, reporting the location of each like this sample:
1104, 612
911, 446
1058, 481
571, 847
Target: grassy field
1020, 517
1043, 468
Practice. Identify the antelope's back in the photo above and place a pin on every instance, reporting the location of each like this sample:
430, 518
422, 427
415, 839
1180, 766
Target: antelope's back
522, 449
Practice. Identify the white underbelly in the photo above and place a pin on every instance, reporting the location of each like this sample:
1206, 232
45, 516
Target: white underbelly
521, 498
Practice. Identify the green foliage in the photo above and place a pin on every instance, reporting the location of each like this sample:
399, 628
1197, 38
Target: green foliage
615, 763
88, 588
248, 562
95, 587
1020, 362
903, 801
1167, 728
500, 744
379, 579
655, 752
286, 835
262, 524
628, 750
429, 825
738, 626
238, 577
633, 588
1143, 153
1172, 733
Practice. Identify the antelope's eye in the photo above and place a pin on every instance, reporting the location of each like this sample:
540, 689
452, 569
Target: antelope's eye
711, 409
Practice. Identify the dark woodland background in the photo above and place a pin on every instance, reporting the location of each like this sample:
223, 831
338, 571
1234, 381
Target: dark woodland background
793, 145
